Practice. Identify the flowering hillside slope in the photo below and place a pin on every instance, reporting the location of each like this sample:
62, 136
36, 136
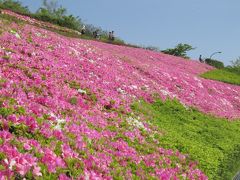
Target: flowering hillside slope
65, 107
178, 78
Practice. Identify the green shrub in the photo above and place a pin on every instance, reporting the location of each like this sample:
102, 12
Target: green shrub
15, 6
73, 101
5, 112
233, 69
215, 63
6, 57
58, 18
180, 50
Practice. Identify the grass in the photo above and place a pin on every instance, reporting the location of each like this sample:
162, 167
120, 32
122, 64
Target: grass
223, 75
213, 142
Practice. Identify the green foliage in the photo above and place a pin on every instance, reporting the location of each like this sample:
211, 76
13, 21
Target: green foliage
229, 74
20, 110
15, 6
75, 167
91, 96
5, 112
74, 85
2, 156
6, 57
58, 17
226, 75
236, 63
19, 130
215, 63
180, 50
73, 101
7, 19
2, 82
235, 67
50, 6
212, 142
117, 41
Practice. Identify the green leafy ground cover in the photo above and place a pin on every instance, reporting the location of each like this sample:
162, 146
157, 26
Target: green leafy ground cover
223, 75
213, 142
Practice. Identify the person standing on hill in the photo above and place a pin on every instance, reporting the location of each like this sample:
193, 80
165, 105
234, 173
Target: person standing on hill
113, 38
95, 34
110, 35
83, 30
200, 59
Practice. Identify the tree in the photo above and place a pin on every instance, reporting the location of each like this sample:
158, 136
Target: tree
50, 6
236, 63
15, 6
180, 50
235, 67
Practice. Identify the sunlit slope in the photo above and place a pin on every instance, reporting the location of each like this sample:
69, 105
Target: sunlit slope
66, 108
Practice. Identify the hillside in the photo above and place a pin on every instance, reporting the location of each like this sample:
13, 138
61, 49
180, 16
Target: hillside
81, 109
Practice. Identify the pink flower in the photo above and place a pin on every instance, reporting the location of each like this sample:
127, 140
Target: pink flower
63, 177
37, 171
27, 146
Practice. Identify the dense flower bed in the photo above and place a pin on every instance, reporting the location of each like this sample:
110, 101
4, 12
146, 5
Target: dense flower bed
179, 78
65, 107
37, 22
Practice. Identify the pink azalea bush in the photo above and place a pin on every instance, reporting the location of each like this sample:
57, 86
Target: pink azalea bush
65, 107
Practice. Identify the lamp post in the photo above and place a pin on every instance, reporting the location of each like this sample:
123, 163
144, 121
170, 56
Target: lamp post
214, 54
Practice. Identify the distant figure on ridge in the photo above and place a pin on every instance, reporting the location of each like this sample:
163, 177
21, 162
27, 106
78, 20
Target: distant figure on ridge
111, 36
200, 59
96, 35
83, 30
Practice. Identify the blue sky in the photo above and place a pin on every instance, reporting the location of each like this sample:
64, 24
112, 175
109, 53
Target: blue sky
208, 25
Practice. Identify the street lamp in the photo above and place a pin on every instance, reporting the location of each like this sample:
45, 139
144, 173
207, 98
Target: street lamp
214, 54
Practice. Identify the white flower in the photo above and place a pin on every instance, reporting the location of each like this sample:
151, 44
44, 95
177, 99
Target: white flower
184, 105
59, 122
38, 34
11, 164
121, 91
164, 92
226, 102
200, 85
57, 127
81, 91
192, 94
133, 87
134, 122
91, 61
16, 34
